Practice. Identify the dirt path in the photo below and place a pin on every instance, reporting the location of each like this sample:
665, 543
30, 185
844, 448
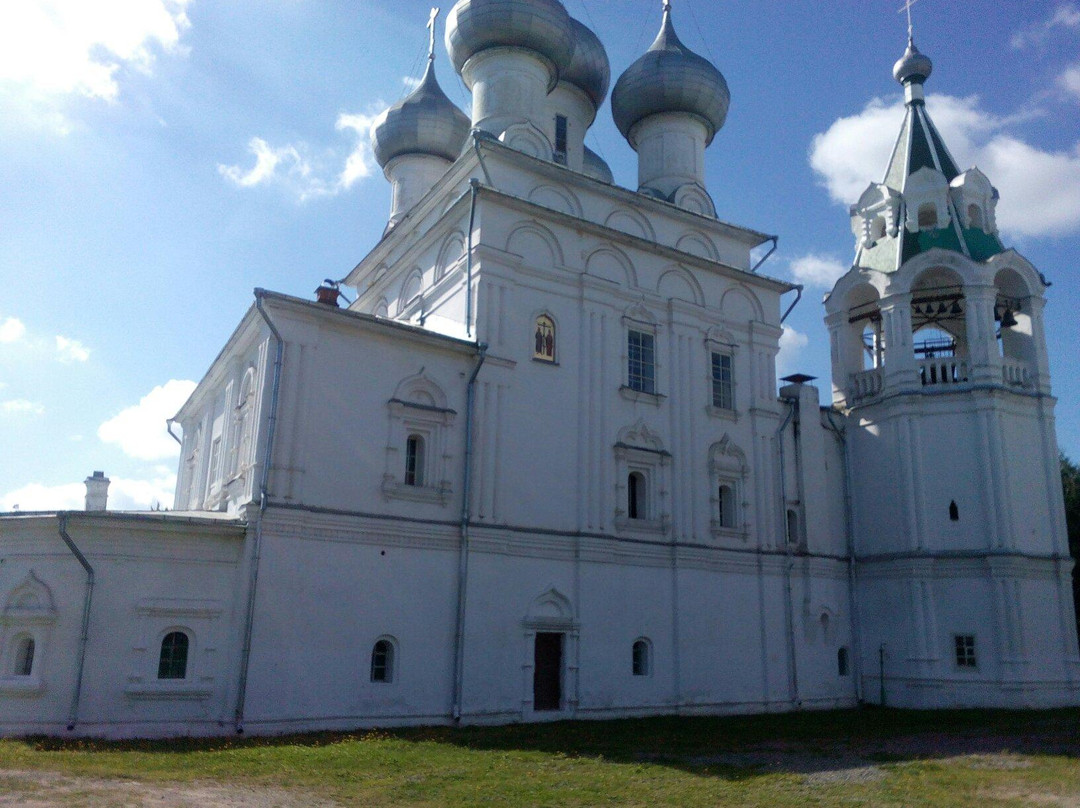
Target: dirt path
49, 790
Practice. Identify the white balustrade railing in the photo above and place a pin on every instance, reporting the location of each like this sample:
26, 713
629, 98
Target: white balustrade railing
945, 371
866, 384
1015, 374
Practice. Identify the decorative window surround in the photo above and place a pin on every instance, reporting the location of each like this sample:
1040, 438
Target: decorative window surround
159, 617
727, 467
29, 613
419, 408
640, 450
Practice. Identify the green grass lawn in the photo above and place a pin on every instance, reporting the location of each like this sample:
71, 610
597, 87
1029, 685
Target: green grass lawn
868, 757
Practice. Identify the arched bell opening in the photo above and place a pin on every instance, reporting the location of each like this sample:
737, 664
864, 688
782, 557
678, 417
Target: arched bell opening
939, 328
1014, 321
862, 345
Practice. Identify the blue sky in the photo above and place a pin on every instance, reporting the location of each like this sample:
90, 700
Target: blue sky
161, 158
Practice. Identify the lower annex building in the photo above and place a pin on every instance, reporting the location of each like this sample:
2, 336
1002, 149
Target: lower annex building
538, 468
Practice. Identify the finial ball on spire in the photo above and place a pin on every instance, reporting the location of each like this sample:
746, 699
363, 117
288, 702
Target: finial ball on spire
913, 67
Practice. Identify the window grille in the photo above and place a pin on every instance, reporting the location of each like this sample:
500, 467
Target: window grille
965, 650
722, 392
172, 664
382, 662
641, 370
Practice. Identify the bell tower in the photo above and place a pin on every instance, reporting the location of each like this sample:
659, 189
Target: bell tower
939, 362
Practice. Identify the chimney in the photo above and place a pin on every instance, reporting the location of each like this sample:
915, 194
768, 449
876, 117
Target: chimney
97, 491
328, 295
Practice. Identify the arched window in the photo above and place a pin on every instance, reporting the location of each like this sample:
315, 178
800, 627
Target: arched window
382, 661
642, 658
877, 228
975, 217
928, 216
726, 515
954, 511
172, 664
635, 496
842, 667
414, 460
24, 656
544, 339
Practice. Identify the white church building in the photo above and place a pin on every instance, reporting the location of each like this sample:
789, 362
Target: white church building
538, 469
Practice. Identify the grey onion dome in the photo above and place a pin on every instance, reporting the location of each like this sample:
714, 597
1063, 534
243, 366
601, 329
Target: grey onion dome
595, 167
424, 122
669, 77
542, 26
913, 66
589, 68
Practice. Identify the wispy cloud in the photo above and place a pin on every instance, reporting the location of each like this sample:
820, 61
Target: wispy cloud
304, 173
1040, 190
71, 350
1069, 81
155, 490
20, 406
410, 82
11, 330
817, 270
792, 343
140, 431
1066, 15
50, 49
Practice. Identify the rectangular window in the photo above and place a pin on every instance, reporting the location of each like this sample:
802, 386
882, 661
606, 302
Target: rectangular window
560, 139
722, 394
965, 650
641, 353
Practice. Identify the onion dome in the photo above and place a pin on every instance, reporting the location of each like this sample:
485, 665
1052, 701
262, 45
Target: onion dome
424, 122
670, 77
595, 167
589, 69
913, 66
542, 26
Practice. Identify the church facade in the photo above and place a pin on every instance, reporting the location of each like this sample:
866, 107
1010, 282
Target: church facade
538, 469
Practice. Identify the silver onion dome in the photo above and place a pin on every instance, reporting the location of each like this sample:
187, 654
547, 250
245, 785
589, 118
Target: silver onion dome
913, 66
670, 77
595, 167
542, 26
589, 69
424, 122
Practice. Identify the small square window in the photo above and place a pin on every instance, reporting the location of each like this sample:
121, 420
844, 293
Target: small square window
722, 391
965, 650
641, 362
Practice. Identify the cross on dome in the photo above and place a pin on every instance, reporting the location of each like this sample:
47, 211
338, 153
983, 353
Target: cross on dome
907, 7
431, 33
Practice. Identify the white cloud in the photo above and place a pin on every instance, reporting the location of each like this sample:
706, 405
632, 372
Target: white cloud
50, 49
791, 344
1066, 15
1069, 81
124, 494
140, 430
20, 406
817, 270
11, 330
1040, 190
410, 82
71, 350
307, 176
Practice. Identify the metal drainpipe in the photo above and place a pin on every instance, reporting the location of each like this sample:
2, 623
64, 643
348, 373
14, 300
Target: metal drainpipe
168, 426
463, 552
73, 715
256, 549
794, 303
474, 188
849, 528
789, 617
775, 243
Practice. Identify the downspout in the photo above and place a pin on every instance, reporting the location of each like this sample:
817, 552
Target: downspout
264, 482
775, 243
474, 189
463, 552
849, 528
789, 562
168, 425
73, 715
791, 308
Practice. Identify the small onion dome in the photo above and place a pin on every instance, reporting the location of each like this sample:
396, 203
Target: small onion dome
595, 167
542, 26
913, 66
424, 122
589, 69
670, 77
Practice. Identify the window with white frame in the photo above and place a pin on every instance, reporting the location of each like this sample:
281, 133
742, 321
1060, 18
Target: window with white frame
641, 663
637, 500
723, 390
173, 655
641, 361
965, 651
417, 453
382, 661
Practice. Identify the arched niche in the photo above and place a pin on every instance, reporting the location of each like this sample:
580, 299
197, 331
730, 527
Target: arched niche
678, 284
451, 251
938, 313
410, 289
536, 245
697, 244
740, 305
556, 198
611, 265
422, 390
526, 138
632, 222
